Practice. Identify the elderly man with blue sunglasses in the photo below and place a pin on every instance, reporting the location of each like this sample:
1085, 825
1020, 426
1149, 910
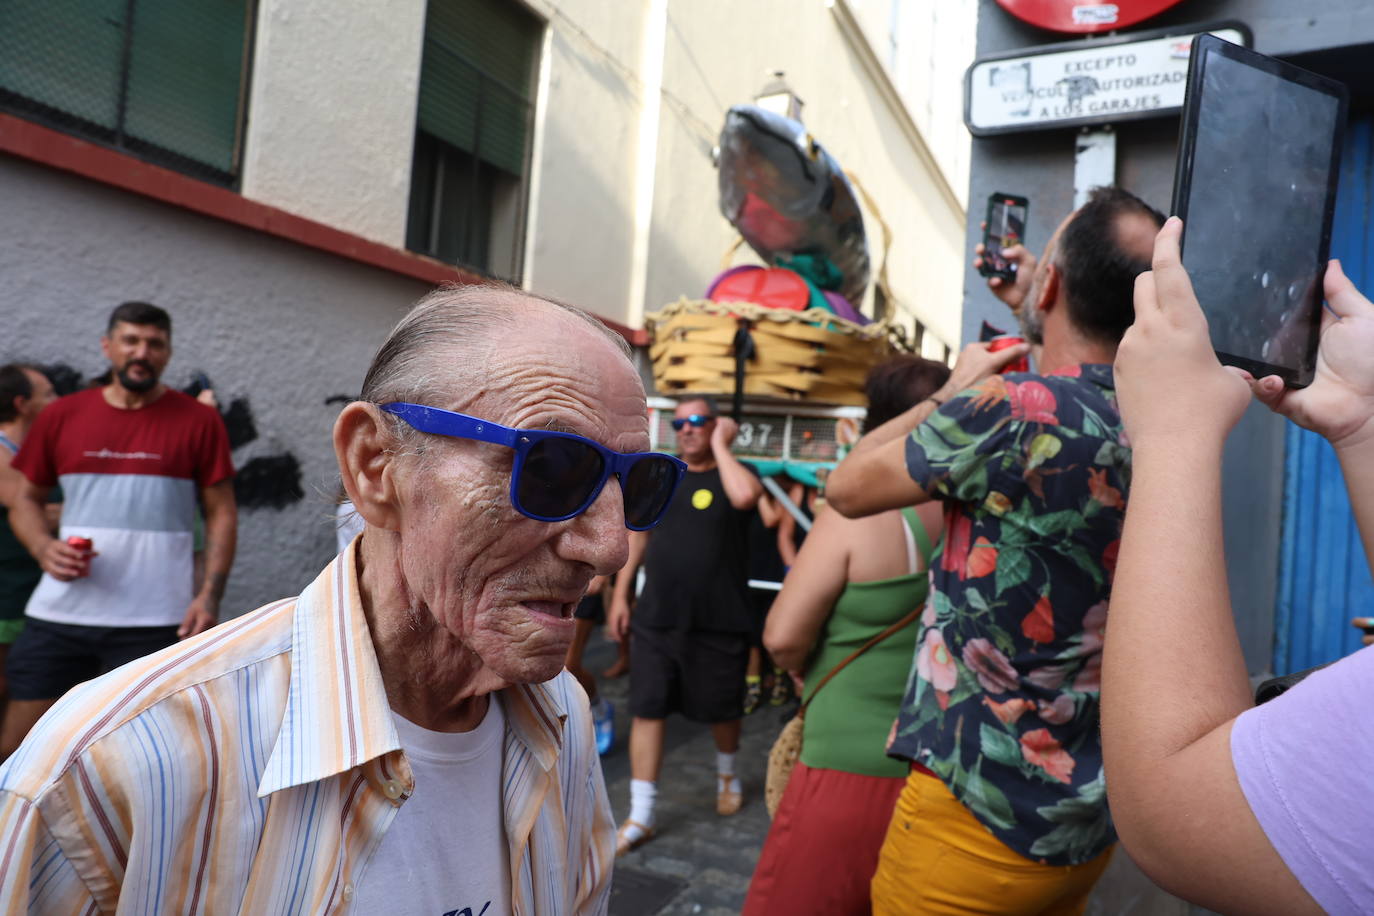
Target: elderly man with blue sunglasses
400, 737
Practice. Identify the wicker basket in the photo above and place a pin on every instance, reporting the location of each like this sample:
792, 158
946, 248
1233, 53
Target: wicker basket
811, 355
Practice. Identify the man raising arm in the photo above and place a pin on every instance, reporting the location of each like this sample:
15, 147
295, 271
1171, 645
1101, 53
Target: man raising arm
691, 627
999, 721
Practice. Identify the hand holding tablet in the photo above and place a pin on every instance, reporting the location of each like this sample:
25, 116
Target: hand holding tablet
1258, 162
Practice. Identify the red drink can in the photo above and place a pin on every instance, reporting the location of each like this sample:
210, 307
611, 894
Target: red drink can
1009, 340
85, 545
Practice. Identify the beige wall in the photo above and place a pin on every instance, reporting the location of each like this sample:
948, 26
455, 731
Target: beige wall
331, 114
926, 47
581, 207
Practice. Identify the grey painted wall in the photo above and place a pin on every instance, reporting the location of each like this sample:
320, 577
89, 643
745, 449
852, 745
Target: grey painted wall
277, 324
1040, 166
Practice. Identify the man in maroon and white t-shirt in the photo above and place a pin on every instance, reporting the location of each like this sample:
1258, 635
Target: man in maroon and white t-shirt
132, 457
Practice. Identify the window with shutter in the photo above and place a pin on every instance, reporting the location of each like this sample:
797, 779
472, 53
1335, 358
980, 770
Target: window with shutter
472, 139
163, 81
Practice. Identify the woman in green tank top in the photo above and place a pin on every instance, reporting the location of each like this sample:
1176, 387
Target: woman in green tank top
852, 580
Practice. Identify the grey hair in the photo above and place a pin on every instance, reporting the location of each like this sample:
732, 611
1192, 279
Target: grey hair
436, 340
419, 353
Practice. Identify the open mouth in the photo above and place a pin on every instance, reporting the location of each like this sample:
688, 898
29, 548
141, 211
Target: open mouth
562, 610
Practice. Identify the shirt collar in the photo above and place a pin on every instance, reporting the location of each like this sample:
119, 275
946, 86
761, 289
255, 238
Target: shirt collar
1098, 373
337, 716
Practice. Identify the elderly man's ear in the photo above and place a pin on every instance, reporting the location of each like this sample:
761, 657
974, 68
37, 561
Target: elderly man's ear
362, 439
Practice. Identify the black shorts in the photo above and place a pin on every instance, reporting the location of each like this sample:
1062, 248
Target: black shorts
699, 674
591, 607
48, 659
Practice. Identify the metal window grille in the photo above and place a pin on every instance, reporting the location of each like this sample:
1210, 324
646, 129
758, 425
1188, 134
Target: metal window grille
472, 143
163, 81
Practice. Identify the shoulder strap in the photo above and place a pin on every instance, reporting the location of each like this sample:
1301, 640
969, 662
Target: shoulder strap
913, 522
910, 546
909, 618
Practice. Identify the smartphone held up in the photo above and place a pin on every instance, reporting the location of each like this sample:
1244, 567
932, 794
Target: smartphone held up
1005, 227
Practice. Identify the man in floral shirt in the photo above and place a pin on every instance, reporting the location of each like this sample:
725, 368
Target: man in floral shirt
1005, 809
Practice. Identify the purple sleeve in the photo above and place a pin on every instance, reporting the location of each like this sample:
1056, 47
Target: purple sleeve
1305, 762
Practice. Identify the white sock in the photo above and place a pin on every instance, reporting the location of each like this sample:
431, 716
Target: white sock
642, 795
725, 766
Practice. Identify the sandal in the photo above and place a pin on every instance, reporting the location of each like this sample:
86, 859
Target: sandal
753, 695
728, 797
623, 842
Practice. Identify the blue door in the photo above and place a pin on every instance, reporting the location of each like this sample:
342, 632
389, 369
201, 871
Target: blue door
1323, 577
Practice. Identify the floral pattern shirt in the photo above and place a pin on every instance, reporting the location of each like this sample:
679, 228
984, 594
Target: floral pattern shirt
1002, 701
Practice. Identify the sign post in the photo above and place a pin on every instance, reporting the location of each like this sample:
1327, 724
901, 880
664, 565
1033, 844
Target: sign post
1094, 162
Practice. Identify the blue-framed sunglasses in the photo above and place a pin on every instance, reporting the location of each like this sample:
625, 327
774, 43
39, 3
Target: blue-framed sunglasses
697, 419
557, 476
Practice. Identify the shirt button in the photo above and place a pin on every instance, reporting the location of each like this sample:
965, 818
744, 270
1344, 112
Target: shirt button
392, 789
348, 891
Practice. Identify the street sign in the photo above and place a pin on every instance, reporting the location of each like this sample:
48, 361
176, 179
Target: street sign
1091, 81
1084, 16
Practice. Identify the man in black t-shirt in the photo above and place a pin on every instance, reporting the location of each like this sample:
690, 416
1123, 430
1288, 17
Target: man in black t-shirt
692, 623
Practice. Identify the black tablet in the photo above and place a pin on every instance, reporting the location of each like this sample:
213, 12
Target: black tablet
1258, 160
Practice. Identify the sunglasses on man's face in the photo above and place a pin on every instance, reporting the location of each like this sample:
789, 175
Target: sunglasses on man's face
698, 420
557, 476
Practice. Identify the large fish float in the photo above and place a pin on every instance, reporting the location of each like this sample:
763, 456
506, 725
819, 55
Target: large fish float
787, 196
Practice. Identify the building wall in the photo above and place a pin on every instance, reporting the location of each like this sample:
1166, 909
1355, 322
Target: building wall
623, 213
280, 326
331, 112
927, 47
581, 202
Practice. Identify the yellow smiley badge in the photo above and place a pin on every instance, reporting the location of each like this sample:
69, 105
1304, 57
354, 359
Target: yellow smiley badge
702, 499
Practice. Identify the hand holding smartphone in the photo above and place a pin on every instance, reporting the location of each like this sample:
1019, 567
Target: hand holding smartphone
1005, 227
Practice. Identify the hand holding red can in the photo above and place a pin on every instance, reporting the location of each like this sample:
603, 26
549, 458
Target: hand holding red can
1002, 343
87, 548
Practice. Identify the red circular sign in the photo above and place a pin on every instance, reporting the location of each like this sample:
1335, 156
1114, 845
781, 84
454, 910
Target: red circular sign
1085, 16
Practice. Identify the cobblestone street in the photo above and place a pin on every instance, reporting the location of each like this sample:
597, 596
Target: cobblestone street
699, 863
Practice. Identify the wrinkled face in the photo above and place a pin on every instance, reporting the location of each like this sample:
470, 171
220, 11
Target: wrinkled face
694, 442
503, 584
138, 354
43, 395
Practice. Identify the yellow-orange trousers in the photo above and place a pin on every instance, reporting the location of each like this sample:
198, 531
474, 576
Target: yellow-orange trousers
937, 858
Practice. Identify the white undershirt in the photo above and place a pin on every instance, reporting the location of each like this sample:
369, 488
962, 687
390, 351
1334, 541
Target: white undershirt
445, 853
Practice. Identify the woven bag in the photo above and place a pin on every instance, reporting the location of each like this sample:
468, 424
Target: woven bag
781, 759
786, 750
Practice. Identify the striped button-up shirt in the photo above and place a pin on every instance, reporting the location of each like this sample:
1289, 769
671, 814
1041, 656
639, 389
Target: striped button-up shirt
254, 769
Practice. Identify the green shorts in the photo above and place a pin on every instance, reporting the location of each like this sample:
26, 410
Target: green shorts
10, 630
